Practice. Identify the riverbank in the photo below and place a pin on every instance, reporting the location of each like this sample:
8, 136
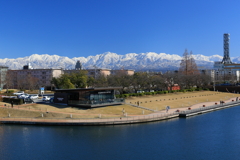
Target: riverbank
157, 116
122, 120
57, 115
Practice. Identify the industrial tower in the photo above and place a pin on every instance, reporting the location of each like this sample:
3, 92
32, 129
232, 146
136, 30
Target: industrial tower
226, 58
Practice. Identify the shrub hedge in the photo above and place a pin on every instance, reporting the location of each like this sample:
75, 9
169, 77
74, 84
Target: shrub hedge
15, 101
10, 91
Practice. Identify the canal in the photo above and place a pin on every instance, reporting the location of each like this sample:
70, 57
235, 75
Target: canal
214, 135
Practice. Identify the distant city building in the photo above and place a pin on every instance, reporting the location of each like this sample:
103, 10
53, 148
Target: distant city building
90, 72
78, 66
231, 67
27, 76
97, 72
218, 65
43, 77
230, 76
208, 72
3, 72
123, 71
225, 70
222, 76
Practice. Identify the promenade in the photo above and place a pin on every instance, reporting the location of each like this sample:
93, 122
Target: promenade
156, 116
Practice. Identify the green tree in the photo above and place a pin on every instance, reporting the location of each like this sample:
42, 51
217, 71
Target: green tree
66, 84
78, 79
90, 81
101, 81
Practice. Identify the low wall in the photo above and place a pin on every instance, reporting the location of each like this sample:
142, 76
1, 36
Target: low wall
202, 110
232, 89
100, 121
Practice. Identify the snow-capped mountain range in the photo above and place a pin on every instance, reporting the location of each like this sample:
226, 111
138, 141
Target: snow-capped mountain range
142, 61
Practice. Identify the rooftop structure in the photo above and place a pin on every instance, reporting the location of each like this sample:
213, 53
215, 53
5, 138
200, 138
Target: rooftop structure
219, 65
226, 58
28, 66
78, 66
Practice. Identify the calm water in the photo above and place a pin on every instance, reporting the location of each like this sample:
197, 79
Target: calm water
214, 135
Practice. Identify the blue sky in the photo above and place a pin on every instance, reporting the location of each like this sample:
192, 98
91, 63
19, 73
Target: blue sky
76, 28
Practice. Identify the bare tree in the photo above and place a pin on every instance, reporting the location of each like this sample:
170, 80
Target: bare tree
10, 80
100, 81
188, 65
32, 83
188, 70
170, 79
120, 79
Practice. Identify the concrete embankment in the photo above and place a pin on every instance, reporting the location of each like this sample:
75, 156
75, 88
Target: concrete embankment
77, 122
158, 116
202, 110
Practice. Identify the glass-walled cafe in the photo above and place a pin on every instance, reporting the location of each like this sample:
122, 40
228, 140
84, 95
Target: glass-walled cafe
87, 97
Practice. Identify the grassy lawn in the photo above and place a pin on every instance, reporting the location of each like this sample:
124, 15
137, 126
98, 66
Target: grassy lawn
157, 102
179, 100
62, 111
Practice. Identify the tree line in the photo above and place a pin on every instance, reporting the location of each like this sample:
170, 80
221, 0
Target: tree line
131, 83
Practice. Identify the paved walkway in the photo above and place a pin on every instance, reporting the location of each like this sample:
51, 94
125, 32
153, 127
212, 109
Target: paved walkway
194, 106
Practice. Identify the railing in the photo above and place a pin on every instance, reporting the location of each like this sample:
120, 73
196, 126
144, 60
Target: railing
208, 107
126, 119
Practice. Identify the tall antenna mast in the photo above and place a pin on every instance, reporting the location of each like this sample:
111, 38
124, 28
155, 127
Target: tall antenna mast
226, 58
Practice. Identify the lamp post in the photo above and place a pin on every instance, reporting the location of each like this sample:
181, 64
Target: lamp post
214, 83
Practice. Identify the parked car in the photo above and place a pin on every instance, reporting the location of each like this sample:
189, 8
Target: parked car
28, 100
33, 96
18, 93
23, 95
46, 98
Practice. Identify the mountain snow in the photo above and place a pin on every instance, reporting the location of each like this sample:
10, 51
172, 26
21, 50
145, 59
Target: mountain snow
109, 60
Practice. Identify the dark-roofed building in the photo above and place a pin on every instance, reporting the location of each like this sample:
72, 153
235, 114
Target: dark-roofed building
88, 97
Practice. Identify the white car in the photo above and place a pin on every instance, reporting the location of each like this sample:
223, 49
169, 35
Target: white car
46, 98
18, 93
33, 96
23, 95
